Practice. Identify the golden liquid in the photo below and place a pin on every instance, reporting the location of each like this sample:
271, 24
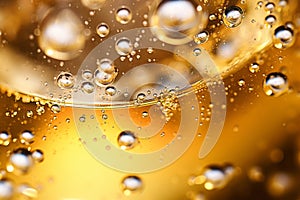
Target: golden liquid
260, 131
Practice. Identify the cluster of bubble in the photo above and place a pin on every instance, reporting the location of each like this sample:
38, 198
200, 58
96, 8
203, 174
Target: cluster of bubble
20, 162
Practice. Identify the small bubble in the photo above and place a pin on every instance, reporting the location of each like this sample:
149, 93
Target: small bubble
123, 46
29, 113
270, 7
110, 90
283, 3
55, 108
65, 80
27, 137
145, 114
28, 191
283, 37
87, 87
20, 161
233, 16
87, 75
127, 140
82, 119
197, 51
102, 78
255, 174
131, 184
103, 30
37, 155
141, 97
123, 15
241, 82
5, 138
270, 20
254, 67
275, 84
6, 189
201, 37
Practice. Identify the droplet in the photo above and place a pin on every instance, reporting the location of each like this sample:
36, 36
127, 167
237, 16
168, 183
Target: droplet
131, 184
254, 67
270, 7
177, 21
275, 84
141, 97
27, 137
6, 189
87, 87
145, 114
270, 20
5, 138
102, 78
20, 161
201, 37
65, 80
93, 4
127, 140
87, 75
55, 108
37, 155
123, 46
197, 51
103, 30
28, 191
283, 37
232, 16
110, 90
61, 35
123, 15
106, 65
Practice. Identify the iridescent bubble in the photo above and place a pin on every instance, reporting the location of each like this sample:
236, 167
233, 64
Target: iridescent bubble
177, 21
275, 84
61, 35
232, 16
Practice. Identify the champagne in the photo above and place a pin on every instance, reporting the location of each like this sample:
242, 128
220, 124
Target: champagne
149, 100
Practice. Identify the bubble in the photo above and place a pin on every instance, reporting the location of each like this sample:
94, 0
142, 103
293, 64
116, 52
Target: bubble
270, 7
232, 16
110, 90
241, 82
28, 191
145, 114
254, 67
279, 184
123, 46
197, 52
65, 80
106, 65
283, 3
255, 174
275, 84
61, 35
5, 138
141, 97
27, 137
93, 4
37, 155
270, 20
6, 189
131, 184
177, 21
87, 75
102, 30
87, 87
20, 161
283, 37
201, 37
123, 15
127, 140
55, 108
102, 78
